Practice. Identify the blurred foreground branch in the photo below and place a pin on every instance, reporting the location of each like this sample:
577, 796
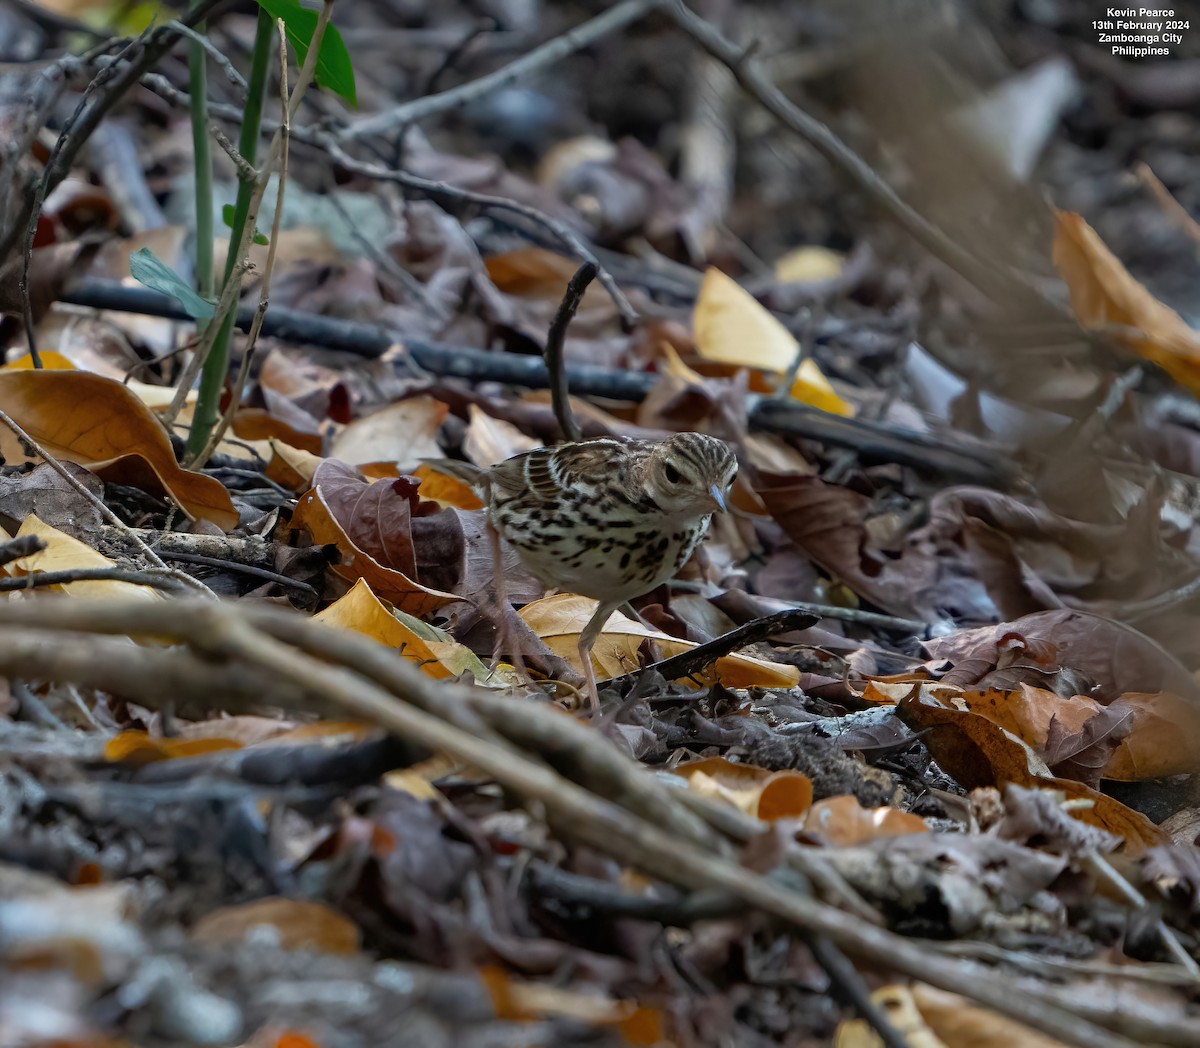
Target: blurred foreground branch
588, 790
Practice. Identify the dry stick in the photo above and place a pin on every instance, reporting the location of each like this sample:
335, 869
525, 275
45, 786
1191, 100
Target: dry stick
242, 569
104, 511
694, 660
560, 395
264, 295
749, 74
538, 59
15, 549
60, 578
149, 675
224, 631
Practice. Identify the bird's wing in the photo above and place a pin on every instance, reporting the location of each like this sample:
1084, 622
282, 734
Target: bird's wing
532, 473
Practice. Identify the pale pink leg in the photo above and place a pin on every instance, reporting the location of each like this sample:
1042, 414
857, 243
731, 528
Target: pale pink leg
505, 639
587, 640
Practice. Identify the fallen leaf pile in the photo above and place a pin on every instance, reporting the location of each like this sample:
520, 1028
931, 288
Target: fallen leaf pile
293, 748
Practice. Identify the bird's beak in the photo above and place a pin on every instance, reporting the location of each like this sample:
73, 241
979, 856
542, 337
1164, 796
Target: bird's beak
718, 496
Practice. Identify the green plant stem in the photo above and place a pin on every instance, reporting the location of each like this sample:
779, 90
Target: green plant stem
216, 367
198, 85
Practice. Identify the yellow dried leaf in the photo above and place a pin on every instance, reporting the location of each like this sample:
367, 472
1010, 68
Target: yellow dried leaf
559, 620
137, 747
765, 794
809, 265
433, 650
63, 552
731, 327
1105, 296
843, 822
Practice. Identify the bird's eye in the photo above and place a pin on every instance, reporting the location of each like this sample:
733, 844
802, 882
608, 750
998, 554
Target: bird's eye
672, 474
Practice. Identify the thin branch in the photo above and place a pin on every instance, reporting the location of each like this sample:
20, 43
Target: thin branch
536, 60
696, 659
37, 579
231, 73
560, 394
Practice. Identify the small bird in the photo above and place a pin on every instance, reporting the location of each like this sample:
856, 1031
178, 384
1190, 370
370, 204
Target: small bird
608, 518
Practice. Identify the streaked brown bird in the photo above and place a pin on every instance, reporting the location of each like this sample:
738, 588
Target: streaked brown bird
609, 518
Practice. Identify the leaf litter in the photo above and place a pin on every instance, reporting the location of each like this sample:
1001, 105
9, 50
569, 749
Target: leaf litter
957, 800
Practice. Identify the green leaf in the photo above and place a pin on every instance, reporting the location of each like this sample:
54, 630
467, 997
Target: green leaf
227, 215
147, 268
334, 69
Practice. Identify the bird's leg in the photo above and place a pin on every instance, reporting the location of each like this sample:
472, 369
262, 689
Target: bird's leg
505, 639
587, 640
513, 635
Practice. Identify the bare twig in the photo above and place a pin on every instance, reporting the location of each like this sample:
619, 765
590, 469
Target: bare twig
560, 395
37, 579
536, 60
15, 549
242, 569
227, 67
694, 660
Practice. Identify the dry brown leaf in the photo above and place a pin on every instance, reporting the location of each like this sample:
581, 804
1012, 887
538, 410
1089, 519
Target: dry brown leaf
1106, 297
765, 794
446, 490
490, 440
976, 752
299, 925
259, 424
1165, 739
534, 272
99, 423
315, 515
842, 822
558, 620
519, 1001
